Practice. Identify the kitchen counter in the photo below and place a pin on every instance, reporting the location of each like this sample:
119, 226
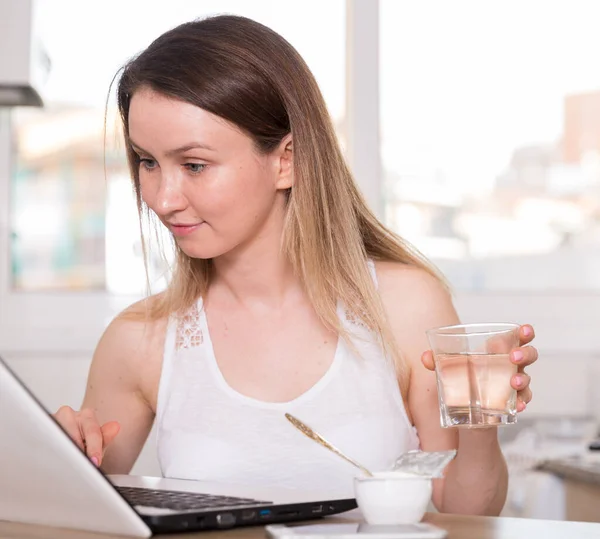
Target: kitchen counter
579, 469
581, 476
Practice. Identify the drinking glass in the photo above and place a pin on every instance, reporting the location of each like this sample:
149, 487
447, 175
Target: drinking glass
473, 372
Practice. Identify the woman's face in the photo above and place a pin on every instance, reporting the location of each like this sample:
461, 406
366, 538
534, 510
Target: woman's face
203, 177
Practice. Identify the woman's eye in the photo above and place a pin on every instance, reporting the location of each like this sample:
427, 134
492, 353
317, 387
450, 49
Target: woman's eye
195, 167
148, 164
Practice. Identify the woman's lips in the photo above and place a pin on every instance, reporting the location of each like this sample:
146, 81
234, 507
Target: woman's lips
184, 229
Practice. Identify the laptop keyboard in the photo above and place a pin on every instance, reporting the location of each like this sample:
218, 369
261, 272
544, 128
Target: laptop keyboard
182, 501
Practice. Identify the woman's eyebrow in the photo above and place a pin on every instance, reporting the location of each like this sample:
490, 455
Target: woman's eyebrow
176, 151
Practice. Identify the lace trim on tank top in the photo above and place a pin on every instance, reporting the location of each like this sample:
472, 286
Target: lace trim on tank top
354, 320
189, 330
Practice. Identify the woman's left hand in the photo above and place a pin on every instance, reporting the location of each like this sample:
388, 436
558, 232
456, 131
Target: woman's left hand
522, 357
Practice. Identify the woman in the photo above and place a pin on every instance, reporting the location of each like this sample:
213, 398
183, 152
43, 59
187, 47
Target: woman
288, 295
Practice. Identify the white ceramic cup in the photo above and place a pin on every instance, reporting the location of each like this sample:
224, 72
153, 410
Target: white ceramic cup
390, 498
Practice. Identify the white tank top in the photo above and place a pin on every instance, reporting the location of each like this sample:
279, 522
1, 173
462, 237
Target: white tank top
208, 431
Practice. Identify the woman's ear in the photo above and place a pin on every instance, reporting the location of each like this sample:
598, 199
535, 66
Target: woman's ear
285, 155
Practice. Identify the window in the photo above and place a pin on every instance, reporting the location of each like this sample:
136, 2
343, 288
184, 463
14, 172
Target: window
490, 122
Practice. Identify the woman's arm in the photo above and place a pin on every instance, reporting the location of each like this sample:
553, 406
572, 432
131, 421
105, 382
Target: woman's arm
476, 481
122, 381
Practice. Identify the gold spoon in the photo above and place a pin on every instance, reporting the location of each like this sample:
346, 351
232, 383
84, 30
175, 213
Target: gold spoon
306, 430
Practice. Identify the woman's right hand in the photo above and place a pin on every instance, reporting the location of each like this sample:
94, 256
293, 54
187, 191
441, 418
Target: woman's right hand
85, 430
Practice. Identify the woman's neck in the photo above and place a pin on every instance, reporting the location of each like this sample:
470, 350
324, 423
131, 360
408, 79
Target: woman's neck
265, 280
257, 273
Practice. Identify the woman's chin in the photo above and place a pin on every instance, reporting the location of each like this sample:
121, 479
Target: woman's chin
201, 253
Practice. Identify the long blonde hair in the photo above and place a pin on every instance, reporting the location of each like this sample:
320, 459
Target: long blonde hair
249, 75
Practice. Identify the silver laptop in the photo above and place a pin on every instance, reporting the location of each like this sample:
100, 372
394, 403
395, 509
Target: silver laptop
46, 479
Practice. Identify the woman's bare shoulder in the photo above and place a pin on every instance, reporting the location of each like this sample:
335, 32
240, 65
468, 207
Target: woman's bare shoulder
133, 336
409, 280
414, 301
